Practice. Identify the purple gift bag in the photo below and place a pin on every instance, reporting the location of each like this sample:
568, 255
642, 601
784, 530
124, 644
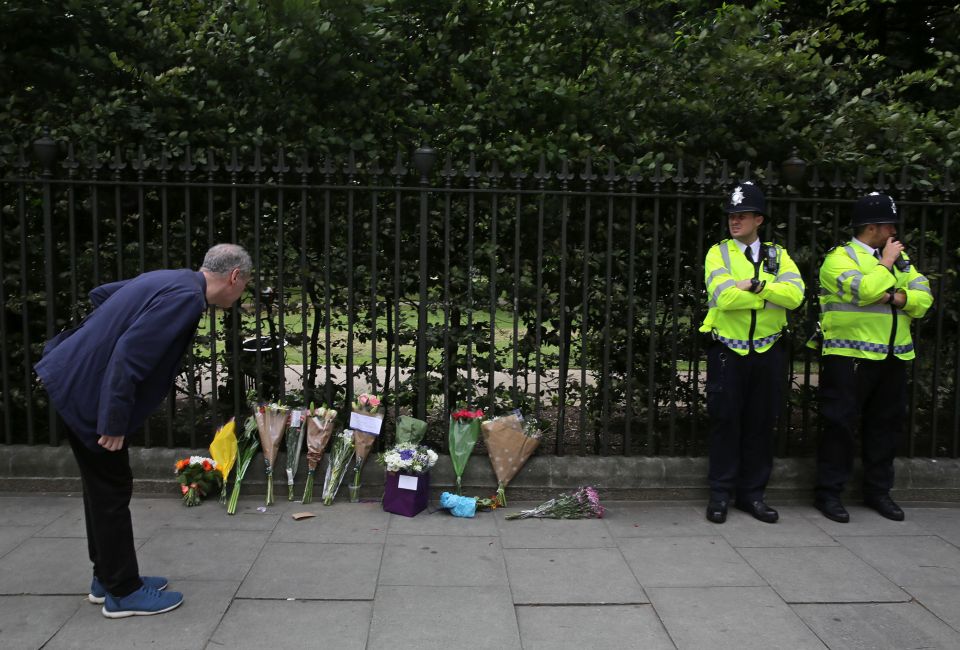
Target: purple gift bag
406, 494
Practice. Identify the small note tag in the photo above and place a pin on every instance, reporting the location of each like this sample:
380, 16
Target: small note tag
302, 515
405, 482
295, 418
367, 423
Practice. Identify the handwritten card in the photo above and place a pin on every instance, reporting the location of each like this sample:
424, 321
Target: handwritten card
405, 482
367, 423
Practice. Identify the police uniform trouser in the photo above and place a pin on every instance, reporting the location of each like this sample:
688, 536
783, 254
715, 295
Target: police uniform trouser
744, 398
864, 394
107, 488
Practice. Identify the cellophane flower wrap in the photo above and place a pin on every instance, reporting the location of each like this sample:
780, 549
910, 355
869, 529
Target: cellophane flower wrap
271, 423
410, 429
464, 431
247, 446
296, 432
338, 460
408, 458
510, 441
366, 430
223, 450
319, 429
582, 503
198, 476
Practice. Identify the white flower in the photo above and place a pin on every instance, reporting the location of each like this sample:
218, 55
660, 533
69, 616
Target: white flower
893, 206
198, 460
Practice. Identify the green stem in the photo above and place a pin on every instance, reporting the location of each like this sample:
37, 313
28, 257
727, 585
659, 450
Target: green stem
308, 488
234, 497
269, 500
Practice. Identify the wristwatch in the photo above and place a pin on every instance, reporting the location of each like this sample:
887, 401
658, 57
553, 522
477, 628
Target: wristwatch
756, 286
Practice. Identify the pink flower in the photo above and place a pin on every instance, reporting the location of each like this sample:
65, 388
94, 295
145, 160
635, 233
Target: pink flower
373, 401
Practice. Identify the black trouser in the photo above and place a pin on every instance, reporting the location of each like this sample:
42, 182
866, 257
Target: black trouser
744, 398
864, 394
107, 488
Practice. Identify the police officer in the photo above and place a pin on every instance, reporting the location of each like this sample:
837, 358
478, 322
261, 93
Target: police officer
750, 287
870, 293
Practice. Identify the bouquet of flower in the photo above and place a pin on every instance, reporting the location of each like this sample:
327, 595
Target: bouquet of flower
247, 446
271, 420
510, 442
319, 430
408, 458
223, 450
295, 434
583, 503
337, 462
464, 431
365, 421
198, 476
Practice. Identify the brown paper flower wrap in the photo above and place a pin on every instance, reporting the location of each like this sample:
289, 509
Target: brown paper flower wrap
319, 430
369, 407
271, 423
509, 445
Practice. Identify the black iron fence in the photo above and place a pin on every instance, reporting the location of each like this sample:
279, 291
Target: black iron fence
570, 290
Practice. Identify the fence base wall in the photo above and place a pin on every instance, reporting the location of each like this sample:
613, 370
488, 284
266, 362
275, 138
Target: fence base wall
53, 469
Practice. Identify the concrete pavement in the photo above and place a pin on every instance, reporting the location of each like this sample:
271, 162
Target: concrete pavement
650, 575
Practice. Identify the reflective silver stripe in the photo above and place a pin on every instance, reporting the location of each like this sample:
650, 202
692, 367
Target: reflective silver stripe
868, 309
715, 273
852, 253
797, 284
725, 254
772, 305
866, 346
740, 344
723, 285
783, 277
854, 273
920, 284
855, 289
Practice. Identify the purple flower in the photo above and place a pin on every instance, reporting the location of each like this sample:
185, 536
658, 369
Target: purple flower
406, 454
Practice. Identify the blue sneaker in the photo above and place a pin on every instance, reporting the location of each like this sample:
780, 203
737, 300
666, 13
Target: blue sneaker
98, 593
143, 602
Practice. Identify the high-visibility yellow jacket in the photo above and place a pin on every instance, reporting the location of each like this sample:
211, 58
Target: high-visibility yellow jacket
741, 320
854, 324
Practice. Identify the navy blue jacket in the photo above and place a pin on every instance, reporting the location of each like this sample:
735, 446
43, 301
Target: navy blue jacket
109, 374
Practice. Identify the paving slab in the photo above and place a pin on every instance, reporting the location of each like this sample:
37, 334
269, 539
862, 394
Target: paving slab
441, 618
793, 529
434, 521
186, 628
275, 624
917, 560
201, 554
687, 562
440, 561
158, 513
731, 618
314, 571
555, 576
363, 523
652, 520
822, 575
12, 536
944, 602
551, 533
605, 627
940, 521
880, 625
46, 566
72, 524
28, 622
35, 510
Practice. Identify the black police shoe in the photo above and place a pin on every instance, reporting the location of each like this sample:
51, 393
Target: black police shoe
883, 504
759, 510
717, 511
832, 509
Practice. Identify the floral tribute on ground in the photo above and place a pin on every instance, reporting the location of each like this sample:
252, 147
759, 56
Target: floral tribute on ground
319, 429
366, 420
271, 422
406, 488
463, 434
510, 441
247, 446
296, 431
223, 450
198, 477
338, 460
582, 503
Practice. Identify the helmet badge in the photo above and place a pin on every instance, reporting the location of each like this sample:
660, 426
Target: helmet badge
737, 197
